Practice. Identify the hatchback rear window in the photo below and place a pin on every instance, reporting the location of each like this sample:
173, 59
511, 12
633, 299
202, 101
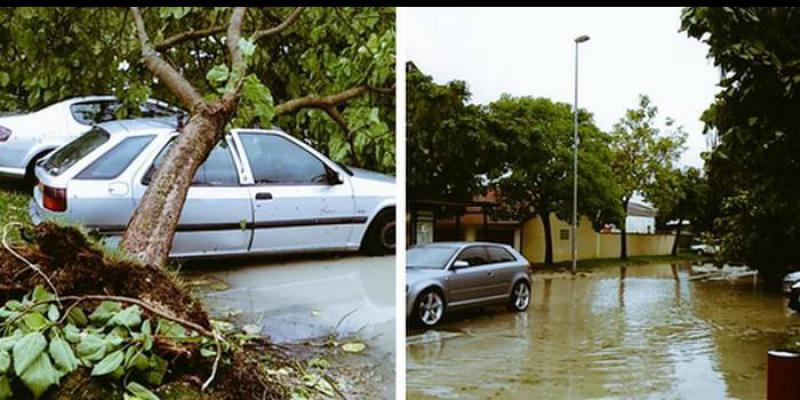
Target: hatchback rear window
65, 157
111, 164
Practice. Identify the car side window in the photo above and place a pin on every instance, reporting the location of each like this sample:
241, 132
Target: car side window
94, 112
111, 164
474, 256
499, 255
276, 160
217, 170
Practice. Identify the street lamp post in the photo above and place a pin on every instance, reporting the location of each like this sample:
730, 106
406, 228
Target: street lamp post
578, 40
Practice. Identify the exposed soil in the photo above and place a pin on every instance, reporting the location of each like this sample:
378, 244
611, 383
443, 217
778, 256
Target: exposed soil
77, 267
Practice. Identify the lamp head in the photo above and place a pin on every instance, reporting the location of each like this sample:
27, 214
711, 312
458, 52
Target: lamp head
581, 39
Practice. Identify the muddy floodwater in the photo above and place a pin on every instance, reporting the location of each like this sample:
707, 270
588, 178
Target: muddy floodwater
321, 299
645, 332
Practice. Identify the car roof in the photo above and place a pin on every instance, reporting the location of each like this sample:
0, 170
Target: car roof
462, 244
140, 125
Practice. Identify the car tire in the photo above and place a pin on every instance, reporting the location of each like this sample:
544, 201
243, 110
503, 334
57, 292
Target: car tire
380, 237
30, 170
429, 308
520, 296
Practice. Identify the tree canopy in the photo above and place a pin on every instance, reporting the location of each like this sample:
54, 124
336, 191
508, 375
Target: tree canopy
538, 134
450, 151
755, 165
322, 74
643, 159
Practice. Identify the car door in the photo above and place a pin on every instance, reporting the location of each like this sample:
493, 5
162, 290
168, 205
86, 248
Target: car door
217, 216
299, 202
504, 265
473, 283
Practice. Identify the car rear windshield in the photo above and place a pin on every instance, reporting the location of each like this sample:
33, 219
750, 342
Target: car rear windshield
429, 257
65, 157
111, 164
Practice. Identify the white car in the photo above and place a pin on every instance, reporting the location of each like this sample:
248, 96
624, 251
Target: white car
27, 138
704, 249
259, 191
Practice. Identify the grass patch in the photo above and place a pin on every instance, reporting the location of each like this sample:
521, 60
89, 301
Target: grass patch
14, 198
587, 265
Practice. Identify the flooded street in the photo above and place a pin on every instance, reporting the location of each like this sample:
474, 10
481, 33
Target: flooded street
636, 332
310, 298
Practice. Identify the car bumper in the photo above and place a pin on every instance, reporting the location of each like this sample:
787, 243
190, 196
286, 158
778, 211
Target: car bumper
11, 172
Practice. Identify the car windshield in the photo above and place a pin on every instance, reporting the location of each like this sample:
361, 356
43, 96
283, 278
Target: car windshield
429, 257
65, 157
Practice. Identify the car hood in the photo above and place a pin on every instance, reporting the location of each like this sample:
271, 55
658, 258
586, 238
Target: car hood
372, 175
416, 275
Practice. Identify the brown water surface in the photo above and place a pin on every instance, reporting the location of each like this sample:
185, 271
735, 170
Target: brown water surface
637, 332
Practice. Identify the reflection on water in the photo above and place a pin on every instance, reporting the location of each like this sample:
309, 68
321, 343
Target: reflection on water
637, 332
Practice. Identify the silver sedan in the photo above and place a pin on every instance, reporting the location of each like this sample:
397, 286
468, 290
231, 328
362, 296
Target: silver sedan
446, 276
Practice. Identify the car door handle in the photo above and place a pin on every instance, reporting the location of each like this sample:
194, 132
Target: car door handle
263, 196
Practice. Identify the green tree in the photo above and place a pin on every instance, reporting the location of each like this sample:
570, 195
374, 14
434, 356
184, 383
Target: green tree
450, 151
643, 160
691, 203
757, 160
322, 73
539, 137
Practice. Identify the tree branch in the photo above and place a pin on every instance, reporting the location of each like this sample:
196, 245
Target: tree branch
171, 78
175, 40
325, 102
281, 27
234, 35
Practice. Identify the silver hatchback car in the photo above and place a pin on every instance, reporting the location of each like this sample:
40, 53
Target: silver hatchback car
259, 191
453, 275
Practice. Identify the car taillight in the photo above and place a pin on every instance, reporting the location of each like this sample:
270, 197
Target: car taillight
54, 199
5, 133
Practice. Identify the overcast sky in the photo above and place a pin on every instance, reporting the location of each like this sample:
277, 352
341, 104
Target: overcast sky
530, 52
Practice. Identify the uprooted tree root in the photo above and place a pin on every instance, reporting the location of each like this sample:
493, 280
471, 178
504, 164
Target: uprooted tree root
75, 267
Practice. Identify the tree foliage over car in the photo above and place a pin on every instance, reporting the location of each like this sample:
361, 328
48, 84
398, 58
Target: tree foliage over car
755, 164
538, 134
225, 66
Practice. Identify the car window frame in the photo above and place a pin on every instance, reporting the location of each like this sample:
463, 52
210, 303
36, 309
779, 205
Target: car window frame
249, 177
503, 249
80, 103
458, 255
112, 148
231, 150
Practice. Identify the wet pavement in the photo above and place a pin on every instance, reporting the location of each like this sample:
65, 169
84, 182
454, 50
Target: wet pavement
637, 332
308, 298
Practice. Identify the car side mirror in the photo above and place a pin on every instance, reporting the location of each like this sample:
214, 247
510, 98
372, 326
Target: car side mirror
458, 264
334, 178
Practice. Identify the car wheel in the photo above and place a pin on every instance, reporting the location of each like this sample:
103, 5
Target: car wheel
380, 238
429, 308
30, 173
794, 300
520, 296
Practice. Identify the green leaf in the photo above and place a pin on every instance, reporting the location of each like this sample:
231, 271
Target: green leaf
91, 348
354, 347
72, 334
4, 79
62, 355
108, 364
52, 313
40, 375
219, 73
34, 320
5, 361
129, 317
41, 294
26, 351
104, 312
77, 317
141, 392
158, 368
247, 47
5, 388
